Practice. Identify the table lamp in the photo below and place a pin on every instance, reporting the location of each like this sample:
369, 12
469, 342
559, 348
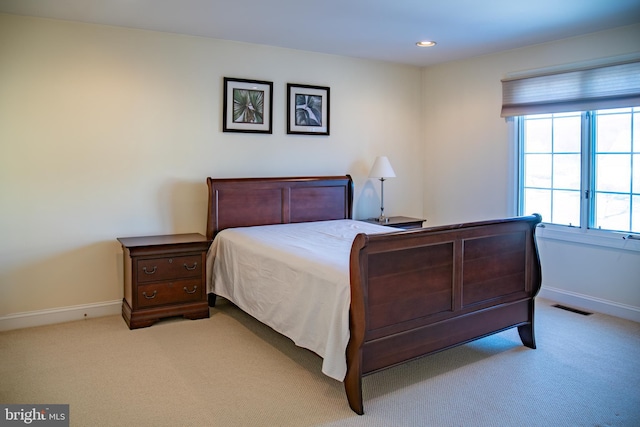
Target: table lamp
382, 169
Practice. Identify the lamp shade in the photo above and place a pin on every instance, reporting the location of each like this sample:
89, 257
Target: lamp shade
382, 168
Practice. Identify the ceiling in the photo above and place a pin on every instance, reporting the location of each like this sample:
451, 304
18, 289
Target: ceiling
385, 30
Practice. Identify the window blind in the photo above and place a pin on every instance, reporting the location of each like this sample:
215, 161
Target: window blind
611, 86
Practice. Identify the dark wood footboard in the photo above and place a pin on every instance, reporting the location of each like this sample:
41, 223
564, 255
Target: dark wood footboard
421, 291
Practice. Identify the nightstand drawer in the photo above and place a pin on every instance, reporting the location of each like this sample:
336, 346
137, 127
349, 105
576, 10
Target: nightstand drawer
156, 269
154, 294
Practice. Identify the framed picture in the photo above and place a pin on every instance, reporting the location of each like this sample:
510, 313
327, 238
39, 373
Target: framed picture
248, 105
307, 109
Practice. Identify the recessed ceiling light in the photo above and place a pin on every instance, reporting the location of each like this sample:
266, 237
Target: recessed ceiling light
425, 43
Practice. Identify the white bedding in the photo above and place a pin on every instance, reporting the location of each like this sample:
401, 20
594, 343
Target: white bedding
293, 278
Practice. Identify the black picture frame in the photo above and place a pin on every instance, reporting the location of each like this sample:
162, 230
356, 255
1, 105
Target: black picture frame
308, 109
247, 106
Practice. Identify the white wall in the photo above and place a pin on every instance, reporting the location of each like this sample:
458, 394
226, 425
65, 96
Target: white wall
109, 132
591, 273
469, 164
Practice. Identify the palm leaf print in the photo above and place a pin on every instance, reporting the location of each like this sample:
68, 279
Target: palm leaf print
248, 106
308, 110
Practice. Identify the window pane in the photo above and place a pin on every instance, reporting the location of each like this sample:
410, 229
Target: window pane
538, 170
636, 173
538, 201
552, 165
613, 211
566, 171
613, 172
635, 220
566, 134
566, 207
613, 132
636, 131
538, 135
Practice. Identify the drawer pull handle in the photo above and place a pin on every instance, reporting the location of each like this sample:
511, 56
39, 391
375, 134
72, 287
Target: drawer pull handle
195, 287
155, 267
150, 297
195, 264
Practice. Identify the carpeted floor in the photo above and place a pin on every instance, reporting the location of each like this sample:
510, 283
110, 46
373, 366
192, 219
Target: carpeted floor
230, 370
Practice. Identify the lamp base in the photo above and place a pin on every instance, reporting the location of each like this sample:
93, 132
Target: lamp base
382, 219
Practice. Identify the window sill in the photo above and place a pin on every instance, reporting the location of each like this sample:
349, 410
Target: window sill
608, 239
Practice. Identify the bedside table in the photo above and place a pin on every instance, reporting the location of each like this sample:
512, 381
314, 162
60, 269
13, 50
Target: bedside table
164, 276
403, 222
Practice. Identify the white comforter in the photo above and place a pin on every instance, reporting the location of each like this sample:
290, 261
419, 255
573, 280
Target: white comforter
294, 278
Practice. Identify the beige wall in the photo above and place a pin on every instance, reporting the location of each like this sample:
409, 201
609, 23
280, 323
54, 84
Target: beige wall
109, 132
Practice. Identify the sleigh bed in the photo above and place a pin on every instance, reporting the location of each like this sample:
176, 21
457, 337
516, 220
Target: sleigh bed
407, 293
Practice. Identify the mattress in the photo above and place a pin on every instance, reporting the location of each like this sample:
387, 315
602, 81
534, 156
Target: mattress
293, 278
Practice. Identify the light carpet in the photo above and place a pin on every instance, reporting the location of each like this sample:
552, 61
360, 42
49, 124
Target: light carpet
230, 370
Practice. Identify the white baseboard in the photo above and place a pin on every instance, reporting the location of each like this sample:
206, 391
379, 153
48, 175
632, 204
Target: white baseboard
109, 308
589, 303
59, 315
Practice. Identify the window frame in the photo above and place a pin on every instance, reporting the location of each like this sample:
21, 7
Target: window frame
585, 233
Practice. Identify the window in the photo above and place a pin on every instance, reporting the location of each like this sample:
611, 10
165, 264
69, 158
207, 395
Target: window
578, 137
581, 169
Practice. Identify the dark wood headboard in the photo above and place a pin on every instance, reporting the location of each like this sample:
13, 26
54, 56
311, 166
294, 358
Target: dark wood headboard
242, 202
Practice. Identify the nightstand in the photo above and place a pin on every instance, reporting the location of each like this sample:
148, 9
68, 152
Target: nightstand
164, 276
404, 222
